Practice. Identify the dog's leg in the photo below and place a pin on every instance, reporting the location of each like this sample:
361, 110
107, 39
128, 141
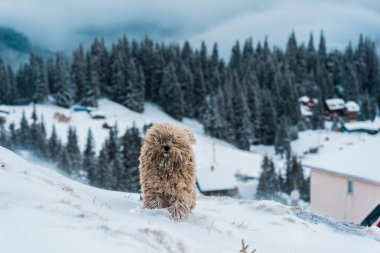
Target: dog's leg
153, 202
179, 210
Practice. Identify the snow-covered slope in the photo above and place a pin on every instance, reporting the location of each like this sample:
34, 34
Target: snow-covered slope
228, 159
42, 211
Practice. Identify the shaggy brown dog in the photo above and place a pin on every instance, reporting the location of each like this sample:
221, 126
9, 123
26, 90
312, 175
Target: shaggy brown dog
167, 170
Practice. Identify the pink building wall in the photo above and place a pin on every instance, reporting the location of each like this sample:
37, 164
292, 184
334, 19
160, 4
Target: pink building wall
329, 196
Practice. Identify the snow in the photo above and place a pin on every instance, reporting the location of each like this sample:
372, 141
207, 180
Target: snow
369, 125
304, 99
96, 114
352, 106
305, 110
43, 211
228, 159
335, 104
359, 160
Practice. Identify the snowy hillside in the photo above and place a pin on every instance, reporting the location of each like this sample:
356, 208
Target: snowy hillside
228, 159
42, 211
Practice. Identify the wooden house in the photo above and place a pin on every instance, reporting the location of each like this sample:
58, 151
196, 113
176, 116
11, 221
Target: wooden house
351, 111
335, 108
345, 185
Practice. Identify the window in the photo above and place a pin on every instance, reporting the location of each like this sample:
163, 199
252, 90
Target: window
350, 189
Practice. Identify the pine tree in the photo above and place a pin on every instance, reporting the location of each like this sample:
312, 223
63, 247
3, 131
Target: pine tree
78, 71
74, 153
268, 121
106, 176
89, 97
5, 85
14, 141
367, 107
282, 141
23, 132
89, 162
294, 175
268, 186
4, 137
54, 146
41, 142
131, 146
39, 78
33, 131
66, 90
100, 65
64, 162
171, 99
242, 124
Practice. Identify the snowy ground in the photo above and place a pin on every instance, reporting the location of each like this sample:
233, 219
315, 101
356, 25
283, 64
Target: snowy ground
43, 211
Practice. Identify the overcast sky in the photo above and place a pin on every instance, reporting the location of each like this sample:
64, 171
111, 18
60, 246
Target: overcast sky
61, 25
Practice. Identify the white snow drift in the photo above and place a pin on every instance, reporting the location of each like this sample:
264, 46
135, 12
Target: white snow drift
42, 211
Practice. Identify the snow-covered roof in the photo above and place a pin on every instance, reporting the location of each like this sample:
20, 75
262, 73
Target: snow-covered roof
368, 125
97, 114
352, 106
304, 99
358, 160
305, 110
335, 104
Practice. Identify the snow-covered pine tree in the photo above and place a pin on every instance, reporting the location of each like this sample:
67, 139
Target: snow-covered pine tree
38, 78
78, 72
268, 186
89, 97
268, 119
33, 131
131, 146
66, 90
199, 93
41, 143
73, 152
23, 132
117, 167
171, 99
54, 145
14, 141
294, 175
242, 124
5, 85
134, 95
214, 123
64, 162
106, 176
100, 65
282, 141
89, 162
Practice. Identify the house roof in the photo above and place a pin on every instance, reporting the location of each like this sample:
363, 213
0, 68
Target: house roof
304, 99
335, 104
97, 114
352, 106
360, 160
305, 110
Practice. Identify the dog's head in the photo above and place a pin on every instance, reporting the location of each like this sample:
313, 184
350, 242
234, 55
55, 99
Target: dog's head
168, 145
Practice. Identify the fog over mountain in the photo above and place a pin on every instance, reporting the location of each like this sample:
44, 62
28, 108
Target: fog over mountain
61, 25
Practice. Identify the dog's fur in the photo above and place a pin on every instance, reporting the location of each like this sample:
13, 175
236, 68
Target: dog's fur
168, 179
